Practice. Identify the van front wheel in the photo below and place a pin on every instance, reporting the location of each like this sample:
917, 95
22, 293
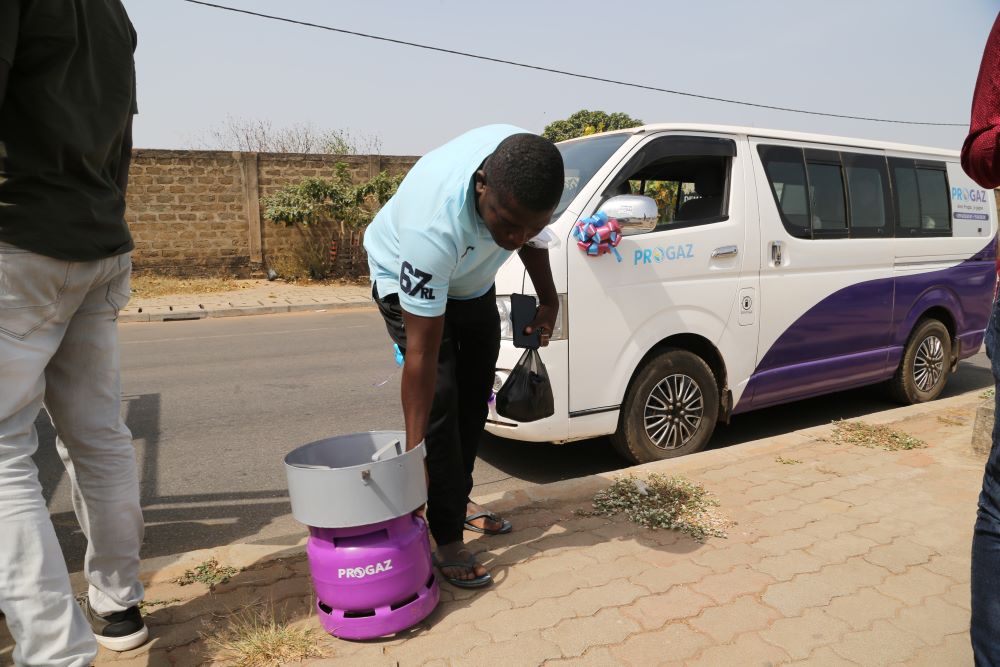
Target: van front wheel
923, 372
670, 408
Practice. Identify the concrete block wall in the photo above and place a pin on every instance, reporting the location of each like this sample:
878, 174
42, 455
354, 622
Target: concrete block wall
198, 212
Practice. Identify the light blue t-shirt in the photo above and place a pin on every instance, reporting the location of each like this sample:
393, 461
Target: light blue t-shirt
428, 243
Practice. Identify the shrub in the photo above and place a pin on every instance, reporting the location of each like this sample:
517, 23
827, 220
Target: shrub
317, 208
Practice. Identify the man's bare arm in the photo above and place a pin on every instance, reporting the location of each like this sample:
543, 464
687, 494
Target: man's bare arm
423, 344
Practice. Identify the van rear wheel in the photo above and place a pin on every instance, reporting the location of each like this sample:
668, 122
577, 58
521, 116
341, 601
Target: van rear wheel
670, 408
923, 372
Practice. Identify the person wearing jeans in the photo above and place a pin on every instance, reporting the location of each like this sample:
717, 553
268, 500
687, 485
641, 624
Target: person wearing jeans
981, 161
59, 348
67, 97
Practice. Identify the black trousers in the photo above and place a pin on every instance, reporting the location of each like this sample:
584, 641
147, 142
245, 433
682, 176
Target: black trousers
466, 365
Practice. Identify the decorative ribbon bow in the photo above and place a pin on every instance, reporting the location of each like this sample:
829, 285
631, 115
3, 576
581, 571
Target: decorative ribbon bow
598, 235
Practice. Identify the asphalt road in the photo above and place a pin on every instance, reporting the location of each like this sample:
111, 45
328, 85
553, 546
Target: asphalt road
215, 404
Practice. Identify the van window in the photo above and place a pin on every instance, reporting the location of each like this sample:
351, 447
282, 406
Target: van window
581, 160
688, 177
921, 198
786, 172
850, 194
934, 209
907, 196
688, 191
868, 193
826, 196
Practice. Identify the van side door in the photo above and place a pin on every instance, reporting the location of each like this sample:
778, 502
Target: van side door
826, 269
680, 278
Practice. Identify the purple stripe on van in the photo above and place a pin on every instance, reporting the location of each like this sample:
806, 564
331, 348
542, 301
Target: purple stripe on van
856, 335
814, 378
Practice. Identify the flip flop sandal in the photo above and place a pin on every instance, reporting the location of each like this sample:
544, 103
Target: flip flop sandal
505, 525
469, 564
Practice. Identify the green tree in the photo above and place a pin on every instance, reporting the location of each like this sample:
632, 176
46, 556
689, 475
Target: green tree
585, 122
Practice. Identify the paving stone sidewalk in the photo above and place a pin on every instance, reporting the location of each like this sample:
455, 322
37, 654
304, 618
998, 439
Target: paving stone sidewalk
256, 299
841, 555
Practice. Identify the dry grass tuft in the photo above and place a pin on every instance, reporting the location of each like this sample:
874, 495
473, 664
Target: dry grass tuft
786, 462
255, 638
874, 436
147, 605
951, 421
147, 285
674, 503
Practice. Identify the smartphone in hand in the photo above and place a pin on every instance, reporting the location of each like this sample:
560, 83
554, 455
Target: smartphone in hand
522, 312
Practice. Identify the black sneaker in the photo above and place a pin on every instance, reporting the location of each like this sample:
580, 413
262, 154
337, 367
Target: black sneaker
119, 631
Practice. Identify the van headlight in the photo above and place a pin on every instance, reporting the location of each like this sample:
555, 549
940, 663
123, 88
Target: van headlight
559, 332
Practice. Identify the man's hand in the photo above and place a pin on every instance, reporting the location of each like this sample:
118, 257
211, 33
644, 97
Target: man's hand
422, 510
536, 261
544, 322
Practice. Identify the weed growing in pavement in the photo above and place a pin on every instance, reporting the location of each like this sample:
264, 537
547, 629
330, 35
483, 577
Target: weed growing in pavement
254, 637
209, 573
874, 435
951, 421
146, 605
989, 393
673, 503
786, 462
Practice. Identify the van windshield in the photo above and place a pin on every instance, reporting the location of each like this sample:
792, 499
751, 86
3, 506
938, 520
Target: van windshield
581, 160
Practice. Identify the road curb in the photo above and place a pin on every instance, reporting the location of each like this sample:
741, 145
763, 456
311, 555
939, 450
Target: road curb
167, 568
179, 313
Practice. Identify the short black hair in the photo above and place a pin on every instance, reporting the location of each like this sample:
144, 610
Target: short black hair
527, 168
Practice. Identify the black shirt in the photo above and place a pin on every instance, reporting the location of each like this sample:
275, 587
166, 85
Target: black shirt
69, 99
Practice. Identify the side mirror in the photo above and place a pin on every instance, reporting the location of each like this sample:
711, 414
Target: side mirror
636, 214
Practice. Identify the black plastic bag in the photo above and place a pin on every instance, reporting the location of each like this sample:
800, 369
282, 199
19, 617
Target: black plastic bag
526, 396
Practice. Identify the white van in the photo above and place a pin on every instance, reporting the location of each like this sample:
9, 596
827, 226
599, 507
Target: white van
757, 267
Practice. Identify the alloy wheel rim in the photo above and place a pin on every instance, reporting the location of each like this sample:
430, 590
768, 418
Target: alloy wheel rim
673, 411
928, 364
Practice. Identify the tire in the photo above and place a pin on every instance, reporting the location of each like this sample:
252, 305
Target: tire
923, 372
644, 433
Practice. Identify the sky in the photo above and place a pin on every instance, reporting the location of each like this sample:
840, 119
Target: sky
913, 60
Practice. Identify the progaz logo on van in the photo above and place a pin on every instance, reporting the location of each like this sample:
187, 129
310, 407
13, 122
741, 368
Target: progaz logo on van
660, 254
968, 194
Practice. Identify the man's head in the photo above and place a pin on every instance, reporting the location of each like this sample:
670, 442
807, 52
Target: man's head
518, 188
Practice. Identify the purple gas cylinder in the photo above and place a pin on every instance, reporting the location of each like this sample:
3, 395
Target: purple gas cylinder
369, 556
372, 580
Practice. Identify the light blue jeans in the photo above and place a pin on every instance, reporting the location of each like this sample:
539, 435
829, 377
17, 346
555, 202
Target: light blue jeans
59, 347
985, 629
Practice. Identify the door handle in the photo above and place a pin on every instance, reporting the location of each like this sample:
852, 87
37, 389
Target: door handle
725, 251
776, 253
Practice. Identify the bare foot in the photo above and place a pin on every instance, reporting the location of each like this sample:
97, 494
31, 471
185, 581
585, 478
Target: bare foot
483, 523
456, 552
